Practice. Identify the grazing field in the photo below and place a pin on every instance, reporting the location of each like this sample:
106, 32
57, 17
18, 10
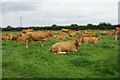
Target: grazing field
98, 60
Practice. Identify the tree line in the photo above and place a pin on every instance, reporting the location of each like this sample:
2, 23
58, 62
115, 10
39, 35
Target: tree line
100, 26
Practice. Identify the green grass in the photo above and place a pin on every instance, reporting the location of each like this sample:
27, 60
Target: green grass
91, 61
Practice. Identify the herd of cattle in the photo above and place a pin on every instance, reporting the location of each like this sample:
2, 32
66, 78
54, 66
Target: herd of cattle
60, 47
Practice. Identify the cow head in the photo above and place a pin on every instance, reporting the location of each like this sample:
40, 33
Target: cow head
79, 41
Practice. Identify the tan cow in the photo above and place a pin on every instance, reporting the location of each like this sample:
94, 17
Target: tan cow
34, 36
10, 36
85, 35
65, 46
28, 30
89, 40
72, 34
99, 39
61, 37
65, 30
93, 34
77, 32
86, 32
108, 32
38, 36
20, 34
62, 33
117, 33
5, 38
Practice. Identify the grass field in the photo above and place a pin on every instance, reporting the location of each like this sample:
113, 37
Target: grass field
91, 61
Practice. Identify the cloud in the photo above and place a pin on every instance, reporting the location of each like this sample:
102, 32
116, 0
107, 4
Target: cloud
60, 12
17, 6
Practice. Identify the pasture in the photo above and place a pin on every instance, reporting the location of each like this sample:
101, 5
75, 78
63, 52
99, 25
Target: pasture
98, 60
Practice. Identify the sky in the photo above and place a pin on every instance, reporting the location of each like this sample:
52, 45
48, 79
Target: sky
59, 12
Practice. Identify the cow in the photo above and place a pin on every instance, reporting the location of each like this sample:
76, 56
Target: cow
89, 40
34, 36
86, 35
93, 34
65, 46
10, 36
38, 36
72, 34
108, 32
89, 35
61, 37
5, 38
20, 34
28, 30
117, 33
65, 30
99, 39
62, 33
77, 32
50, 37
86, 32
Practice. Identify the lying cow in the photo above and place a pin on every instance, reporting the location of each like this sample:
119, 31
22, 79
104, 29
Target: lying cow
5, 38
65, 30
20, 34
65, 46
72, 34
86, 32
28, 30
89, 40
10, 36
77, 32
108, 32
61, 37
93, 34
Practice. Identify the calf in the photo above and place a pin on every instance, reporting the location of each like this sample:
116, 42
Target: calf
65, 46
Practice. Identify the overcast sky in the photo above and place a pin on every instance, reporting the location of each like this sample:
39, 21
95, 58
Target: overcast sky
59, 12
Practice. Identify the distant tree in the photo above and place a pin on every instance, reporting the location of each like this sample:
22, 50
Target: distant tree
54, 25
9, 26
74, 25
104, 24
89, 24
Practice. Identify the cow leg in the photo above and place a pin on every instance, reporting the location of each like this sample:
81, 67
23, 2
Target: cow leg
74, 50
26, 42
115, 37
42, 43
59, 51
